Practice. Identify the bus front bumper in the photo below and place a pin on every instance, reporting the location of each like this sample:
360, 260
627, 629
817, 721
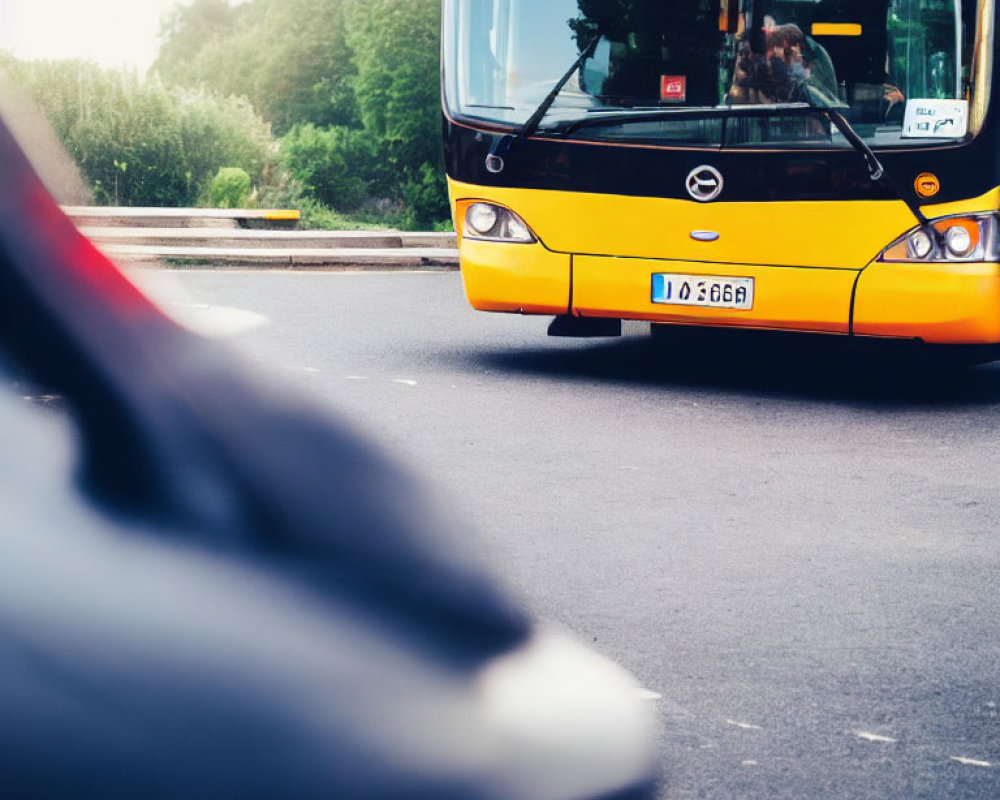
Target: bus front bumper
955, 303
518, 278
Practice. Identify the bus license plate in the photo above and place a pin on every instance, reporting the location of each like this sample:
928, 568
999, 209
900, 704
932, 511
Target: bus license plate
711, 291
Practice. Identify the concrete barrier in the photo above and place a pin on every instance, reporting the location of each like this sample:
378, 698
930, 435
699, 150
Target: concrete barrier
207, 237
183, 217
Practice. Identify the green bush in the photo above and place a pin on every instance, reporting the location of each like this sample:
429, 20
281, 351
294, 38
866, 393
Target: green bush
426, 198
231, 188
338, 165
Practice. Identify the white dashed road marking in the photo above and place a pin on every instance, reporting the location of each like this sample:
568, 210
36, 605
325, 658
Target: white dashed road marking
743, 725
874, 737
971, 762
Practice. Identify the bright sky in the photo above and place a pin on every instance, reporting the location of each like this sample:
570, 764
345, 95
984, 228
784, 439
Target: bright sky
111, 32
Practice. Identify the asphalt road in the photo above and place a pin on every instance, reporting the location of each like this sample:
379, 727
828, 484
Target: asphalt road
795, 544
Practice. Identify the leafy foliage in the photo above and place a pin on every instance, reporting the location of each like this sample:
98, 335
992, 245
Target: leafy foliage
231, 188
187, 33
396, 45
351, 86
426, 198
290, 58
335, 164
138, 142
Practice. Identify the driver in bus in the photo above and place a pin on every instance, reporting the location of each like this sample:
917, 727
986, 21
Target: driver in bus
794, 68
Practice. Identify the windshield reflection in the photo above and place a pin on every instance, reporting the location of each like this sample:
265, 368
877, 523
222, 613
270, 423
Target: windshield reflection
878, 62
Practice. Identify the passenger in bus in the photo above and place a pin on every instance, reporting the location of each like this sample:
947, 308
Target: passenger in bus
791, 68
776, 75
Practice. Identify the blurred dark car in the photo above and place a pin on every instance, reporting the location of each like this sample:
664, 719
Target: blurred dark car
209, 589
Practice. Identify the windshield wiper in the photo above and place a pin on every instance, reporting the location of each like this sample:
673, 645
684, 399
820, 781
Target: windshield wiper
502, 146
875, 169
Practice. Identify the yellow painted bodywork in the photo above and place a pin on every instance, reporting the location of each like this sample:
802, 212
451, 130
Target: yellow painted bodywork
942, 304
814, 263
524, 278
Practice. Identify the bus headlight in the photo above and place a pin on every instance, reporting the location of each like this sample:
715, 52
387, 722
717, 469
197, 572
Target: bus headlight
482, 218
958, 241
496, 223
962, 238
919, 244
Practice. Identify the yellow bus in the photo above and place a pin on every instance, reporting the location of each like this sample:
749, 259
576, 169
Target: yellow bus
826, 166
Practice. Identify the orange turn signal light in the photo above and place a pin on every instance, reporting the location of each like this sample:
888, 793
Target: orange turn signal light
927, 184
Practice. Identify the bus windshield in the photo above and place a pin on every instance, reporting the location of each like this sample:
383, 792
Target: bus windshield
901, 72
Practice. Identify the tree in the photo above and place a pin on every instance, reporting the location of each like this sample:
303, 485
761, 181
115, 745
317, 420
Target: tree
186, 32
290, 58
396, 46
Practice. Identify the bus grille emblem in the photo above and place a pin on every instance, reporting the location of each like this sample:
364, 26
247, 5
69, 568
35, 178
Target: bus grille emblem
704, 183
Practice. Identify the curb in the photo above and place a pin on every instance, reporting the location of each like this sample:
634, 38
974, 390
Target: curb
240, 239
291, 258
